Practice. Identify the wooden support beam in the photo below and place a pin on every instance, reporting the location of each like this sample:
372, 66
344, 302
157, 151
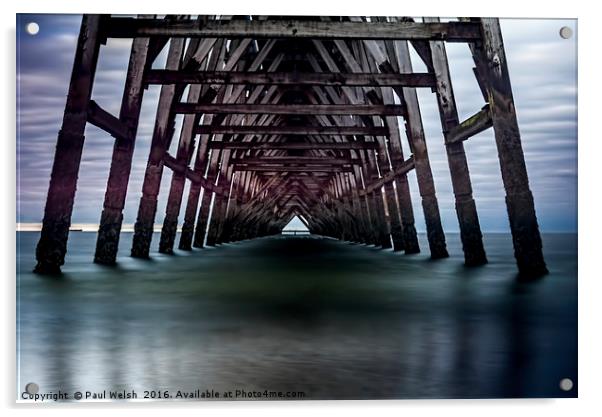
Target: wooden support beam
468, 219
403, 168
107, 242
359, 203
178, 180
374, 229
362, 175
312, 168
200, 161
104, 120
256, 66
386, 157
263, 202
52, 246
291, 109
225, 234
375, 202
203, 215
402, 186
203, 48
289, 146
218, 222
293, 130
473, 125
125, 27
162, 134
397, 193
272, 182
186, 146
173, 164
218, 213
289, 160
386, 213
290, 78
190, 212
491, 62
417, 141
302, 176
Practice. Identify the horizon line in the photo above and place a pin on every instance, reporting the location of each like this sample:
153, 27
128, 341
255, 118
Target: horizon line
129, 227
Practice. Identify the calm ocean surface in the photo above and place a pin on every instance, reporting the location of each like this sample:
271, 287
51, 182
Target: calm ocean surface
331, 319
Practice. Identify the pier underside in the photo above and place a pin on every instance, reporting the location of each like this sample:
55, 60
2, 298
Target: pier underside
314, 117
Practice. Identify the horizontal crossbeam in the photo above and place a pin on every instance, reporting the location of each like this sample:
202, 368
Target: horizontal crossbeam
291, 78
309, 169
305, 160
293, 109
341, 146
293, 130
128, 27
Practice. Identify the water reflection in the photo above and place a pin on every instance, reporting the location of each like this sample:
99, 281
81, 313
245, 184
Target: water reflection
328, 318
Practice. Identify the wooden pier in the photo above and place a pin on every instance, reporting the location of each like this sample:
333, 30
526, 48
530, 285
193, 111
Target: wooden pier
315, 117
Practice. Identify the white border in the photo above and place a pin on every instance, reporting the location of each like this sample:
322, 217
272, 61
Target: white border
590, 150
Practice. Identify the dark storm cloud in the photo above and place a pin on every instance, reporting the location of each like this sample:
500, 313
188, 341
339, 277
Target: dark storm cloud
542, 69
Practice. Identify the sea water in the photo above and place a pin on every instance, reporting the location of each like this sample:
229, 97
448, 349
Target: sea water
313, 316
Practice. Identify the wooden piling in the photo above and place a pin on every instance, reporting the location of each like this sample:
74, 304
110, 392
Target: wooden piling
178, 179
162, 134
424, 175
470, 229
206, 202
52, 246
519, 199
111, 218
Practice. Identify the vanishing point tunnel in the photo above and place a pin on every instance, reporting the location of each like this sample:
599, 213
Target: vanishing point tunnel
315, 117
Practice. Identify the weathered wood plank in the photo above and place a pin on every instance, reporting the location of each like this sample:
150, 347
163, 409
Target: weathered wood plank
293, 130
218, 212
403, 168
402, 186
306, 160
291, 109
162, 134
104, 120
417, 141
378, 204
519, 199
201, 159
309, 168
339, 146
125, 27
203, 215
290, 78
178, 180
107, 242
52, 246
473, 125
173, 164
468, 219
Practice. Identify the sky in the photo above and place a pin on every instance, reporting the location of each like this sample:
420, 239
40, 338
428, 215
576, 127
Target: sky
543, 72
